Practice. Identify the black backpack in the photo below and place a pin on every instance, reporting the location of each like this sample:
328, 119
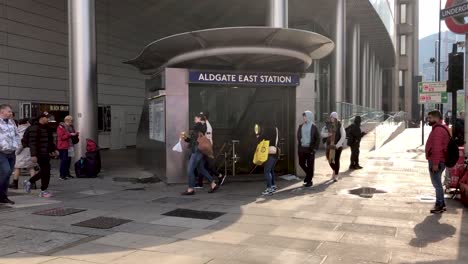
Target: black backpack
452, 151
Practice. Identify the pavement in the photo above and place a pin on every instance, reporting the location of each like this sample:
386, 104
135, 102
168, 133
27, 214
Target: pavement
376, 215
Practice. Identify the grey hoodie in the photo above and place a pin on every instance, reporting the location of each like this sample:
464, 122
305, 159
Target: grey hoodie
306, 129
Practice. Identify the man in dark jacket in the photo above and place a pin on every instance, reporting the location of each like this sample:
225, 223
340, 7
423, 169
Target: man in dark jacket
308, 139
40, 140
355, 135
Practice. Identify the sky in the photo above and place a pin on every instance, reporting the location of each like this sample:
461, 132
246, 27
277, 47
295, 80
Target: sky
428, 14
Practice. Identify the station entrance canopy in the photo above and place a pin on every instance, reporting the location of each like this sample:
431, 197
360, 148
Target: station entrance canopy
235, 48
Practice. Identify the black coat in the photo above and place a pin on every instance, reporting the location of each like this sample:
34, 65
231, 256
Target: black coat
314, 139
40, 140
354, 134
192, 139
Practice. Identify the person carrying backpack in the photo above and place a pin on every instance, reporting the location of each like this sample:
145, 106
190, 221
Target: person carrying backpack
436, 155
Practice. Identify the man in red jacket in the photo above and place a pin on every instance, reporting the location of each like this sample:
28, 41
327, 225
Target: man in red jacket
436, 154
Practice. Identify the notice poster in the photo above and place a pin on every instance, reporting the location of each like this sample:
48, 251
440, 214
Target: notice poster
157, 120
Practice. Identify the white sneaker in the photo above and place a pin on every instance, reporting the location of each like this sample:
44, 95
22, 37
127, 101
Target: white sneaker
268, 191
274, 188
45, 194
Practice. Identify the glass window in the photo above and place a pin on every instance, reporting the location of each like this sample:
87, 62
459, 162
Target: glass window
403, 14
402, 45
157, 119
401, 78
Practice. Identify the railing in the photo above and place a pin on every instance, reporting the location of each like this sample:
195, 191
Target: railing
348, 113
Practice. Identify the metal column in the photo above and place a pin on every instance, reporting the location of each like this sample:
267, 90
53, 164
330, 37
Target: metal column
83, 70
364, 73
371, 87
277, 16
339, 55
466, 93
355, 59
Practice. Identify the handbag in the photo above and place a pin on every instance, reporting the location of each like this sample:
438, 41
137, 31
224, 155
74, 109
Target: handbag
75, 140
261, 153
274, 149
205, 146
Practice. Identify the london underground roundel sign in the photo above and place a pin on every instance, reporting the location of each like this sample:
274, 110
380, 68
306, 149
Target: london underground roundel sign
453, 15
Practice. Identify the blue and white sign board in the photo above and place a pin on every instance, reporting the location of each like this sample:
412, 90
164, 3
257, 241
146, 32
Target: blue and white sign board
279, 79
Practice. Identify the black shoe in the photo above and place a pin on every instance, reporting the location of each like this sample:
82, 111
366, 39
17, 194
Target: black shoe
7, 201
358, 167
63, 178
69, 177
352, 167
213, 190
309, 184
437, 210
14, 185
188, 193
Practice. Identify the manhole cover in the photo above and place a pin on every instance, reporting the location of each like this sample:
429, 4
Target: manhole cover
186, 213
175, 200
365, 192
59, 211
103, 222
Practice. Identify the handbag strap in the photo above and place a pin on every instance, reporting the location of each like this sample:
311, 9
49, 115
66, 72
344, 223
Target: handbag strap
277, 134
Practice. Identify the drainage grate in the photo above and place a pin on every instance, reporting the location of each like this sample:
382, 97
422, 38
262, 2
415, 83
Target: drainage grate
186, 213
103, 222
365, 192
175, 200
135, 189
59, 211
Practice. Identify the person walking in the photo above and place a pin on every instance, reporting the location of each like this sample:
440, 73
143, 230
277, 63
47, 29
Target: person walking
210, 162
41, 143
9, 143
23, 156
335, 135
308, 143
436, 154
67, 137
270, 132
355, 135
196, 162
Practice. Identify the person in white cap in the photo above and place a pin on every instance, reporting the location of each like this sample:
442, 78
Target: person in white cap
335, 136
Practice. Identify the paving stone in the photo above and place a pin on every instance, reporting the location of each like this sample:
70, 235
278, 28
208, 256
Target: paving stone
385, 221
242, 228
24, 258
368, 229
135, 241
282, 242
65, 261
325, 217
175, 200
150, 229
215, 236
341, 260
94, 253
381, 241
265, 254
185, 222
201, 249
355, 252
410, 257
145, 257
307, 233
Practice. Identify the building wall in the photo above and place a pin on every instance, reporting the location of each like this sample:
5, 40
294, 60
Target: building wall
34, 59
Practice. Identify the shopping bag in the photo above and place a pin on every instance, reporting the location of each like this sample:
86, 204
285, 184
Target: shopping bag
261, 153
178, 147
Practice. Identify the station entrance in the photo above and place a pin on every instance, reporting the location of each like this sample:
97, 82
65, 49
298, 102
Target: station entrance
233, 113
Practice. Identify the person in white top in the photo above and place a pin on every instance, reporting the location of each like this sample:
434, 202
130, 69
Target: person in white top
335, 136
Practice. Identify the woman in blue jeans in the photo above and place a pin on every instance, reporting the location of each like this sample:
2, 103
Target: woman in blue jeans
197, 161
270, 132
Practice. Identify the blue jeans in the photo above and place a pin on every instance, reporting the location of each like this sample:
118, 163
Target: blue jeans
7, 164
65, 163
197, 163
269, 170
436, 178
